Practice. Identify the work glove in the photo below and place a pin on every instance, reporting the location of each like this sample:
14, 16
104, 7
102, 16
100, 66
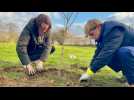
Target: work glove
86, 76
39, 66
29, 69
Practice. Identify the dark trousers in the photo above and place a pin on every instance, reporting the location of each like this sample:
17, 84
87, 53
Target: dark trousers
123, 60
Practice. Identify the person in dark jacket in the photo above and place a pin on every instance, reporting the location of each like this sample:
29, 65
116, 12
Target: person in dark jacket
34, 44
115, 48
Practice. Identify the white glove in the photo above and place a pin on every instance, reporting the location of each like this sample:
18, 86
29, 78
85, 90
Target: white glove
87, 76
84, 77
29, 69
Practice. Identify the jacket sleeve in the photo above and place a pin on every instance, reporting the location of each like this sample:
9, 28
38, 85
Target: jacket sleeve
47, 47
111, 43
22, 47
96, 52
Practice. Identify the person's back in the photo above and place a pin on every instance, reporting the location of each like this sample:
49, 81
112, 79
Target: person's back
127, 31
33, 30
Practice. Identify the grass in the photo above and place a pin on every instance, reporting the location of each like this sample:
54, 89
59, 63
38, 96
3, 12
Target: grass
8, 56
82, 57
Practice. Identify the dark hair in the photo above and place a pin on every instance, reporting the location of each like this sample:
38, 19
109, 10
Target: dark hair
42, 18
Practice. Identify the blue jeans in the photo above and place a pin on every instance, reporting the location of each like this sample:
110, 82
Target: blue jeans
123, 60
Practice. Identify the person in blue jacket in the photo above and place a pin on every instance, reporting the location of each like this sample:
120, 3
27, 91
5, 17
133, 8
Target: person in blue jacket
115, 48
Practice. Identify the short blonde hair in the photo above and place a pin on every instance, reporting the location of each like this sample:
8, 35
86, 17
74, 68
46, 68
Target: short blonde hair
90, 25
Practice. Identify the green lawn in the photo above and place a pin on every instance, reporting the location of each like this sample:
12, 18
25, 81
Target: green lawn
8, 56
82, 57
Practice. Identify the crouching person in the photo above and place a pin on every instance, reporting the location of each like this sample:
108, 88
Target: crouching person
34, 44
115, 48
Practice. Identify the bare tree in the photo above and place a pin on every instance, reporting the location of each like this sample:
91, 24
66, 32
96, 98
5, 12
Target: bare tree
12, 27
9, 32
60, 36
12, 31
69, 18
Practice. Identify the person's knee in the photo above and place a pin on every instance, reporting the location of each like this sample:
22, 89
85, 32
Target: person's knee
125, 54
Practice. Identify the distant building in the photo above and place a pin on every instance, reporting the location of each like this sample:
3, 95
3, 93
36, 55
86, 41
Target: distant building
79, 41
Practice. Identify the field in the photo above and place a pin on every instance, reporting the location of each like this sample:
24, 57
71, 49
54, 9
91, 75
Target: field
58, 71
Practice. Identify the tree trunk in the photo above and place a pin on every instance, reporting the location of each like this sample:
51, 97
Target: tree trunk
62, 50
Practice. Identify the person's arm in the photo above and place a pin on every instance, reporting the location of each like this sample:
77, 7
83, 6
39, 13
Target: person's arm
22, 47
47, 46
96, 52
111, 43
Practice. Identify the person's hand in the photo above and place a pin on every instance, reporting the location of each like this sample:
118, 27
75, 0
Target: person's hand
86, 76
29, 69
39, 66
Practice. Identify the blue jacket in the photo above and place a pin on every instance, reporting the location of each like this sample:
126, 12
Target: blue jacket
113, 36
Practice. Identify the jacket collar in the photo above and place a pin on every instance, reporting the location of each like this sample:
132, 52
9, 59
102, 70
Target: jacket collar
101, 33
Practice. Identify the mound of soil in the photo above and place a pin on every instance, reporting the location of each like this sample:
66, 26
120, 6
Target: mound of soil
40, 80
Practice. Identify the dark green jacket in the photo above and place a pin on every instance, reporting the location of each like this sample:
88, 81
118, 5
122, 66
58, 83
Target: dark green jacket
28, 41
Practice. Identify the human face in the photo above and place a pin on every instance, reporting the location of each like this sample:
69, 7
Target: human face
95, 32
45, 27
